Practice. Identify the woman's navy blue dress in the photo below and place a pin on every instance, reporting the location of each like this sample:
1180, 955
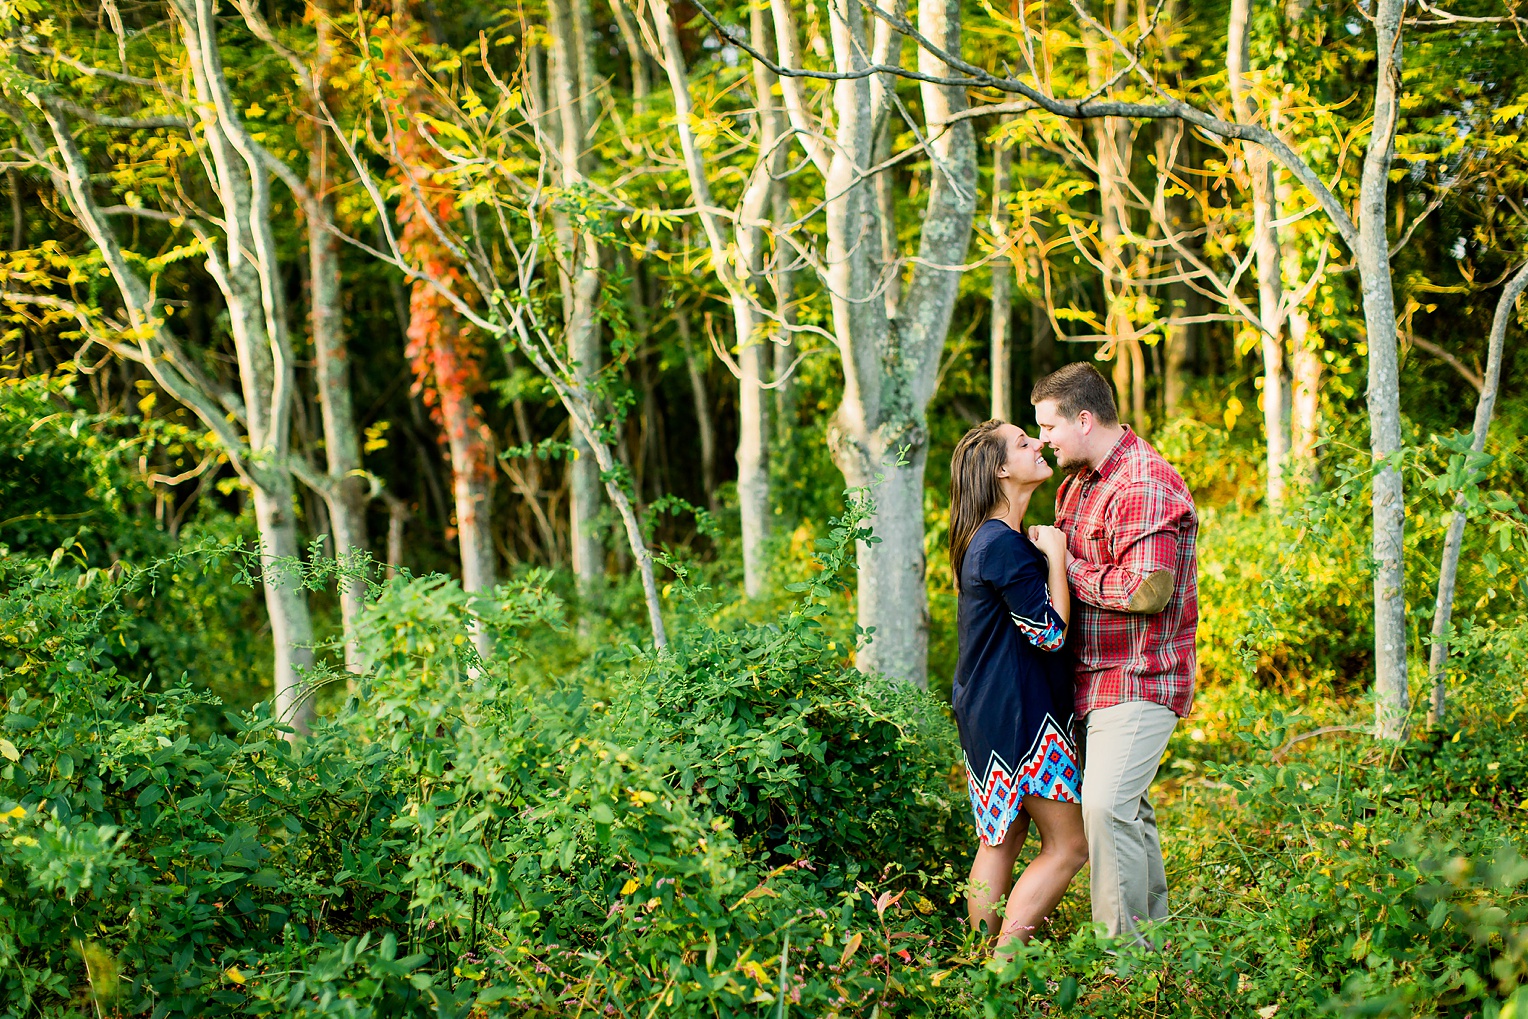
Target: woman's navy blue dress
1013, 684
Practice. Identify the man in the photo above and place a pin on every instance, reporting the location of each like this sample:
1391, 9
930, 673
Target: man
1131, 533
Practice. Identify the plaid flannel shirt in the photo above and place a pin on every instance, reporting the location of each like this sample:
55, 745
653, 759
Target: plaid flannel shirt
1127, 519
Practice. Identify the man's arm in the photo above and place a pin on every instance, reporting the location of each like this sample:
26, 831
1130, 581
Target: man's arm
1144, 538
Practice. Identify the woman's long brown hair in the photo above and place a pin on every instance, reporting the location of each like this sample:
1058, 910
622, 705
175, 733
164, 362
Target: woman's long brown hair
974, 488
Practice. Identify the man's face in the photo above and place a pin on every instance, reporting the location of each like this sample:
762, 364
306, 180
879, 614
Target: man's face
1067, 436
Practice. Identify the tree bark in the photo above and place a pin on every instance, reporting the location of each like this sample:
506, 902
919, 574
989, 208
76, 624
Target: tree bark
1448, 570
705, 428
286, 601
1111, 138
581, 249
641, 79
890, 366
1305, 416
441, 349
247, 273
1001, 356
1265, 241
742, 276
346, 494
1392, 698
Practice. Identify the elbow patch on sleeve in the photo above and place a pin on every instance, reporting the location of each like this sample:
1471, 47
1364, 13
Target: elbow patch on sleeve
1153, 594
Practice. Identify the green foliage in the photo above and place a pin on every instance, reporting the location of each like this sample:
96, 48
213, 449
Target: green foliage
736, 823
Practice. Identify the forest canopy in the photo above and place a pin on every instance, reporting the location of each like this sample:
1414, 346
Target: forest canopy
473, 491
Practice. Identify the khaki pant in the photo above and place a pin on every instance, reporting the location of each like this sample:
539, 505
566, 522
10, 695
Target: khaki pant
1124, 745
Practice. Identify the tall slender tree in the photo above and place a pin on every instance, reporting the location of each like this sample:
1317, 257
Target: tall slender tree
879, 434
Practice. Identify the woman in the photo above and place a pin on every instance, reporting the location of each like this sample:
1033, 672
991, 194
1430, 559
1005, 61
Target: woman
1013, 683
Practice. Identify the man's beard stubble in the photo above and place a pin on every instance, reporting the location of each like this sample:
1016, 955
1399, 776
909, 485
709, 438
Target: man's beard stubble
1076, 465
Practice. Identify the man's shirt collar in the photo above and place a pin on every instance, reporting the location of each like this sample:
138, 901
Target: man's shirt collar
1116, 456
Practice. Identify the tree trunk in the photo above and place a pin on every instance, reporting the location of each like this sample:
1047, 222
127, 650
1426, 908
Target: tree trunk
346, 494
641, 79
784, 286
706, 428
1111, 142
286, 602
248, 275
742, 277
1305, 416
1392, 698
1448, 571
246, 271
568, 96
1265, 241
445, 360
1002, 288
397, 517
444, 363
890, 366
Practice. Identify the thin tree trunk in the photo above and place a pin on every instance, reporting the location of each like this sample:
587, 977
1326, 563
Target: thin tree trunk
1305, 416
286, 602
1002, 288
743, 280
568, 96
1265, 241
1138, 384
1392, 697
397, 517
704, 425
346, 493
247, 273
18, 214
1179, 351
784, 286
641, 79
1448, 571
471, 461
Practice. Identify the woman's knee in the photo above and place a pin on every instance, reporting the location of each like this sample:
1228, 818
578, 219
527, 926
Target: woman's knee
1074, 852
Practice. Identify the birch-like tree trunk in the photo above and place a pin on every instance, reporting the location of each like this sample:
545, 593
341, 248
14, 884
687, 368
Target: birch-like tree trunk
695, 365
1111, 138
879, 433
737, 258
581, 281
1392, 697
346, 493
1001, 354
253, 426
569, 102
1261, 171
1448, 570
1305, 402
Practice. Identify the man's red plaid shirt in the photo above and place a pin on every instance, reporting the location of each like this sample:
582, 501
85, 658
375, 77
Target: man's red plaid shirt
1130, 517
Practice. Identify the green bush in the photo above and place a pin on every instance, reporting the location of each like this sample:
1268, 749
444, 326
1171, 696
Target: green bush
737, 826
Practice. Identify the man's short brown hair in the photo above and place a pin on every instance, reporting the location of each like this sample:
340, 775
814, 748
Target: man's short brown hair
1077, 387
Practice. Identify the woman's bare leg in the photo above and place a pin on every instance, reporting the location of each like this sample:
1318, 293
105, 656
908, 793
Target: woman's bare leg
992, 875
1063, 851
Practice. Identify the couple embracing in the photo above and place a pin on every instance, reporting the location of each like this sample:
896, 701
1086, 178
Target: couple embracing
1090, 620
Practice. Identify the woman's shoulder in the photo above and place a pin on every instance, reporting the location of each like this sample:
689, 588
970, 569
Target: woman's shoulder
1001, 542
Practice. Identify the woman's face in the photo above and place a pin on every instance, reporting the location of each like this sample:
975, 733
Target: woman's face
1026, 457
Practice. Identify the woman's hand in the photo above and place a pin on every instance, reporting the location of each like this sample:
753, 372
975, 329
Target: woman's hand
1051, 541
